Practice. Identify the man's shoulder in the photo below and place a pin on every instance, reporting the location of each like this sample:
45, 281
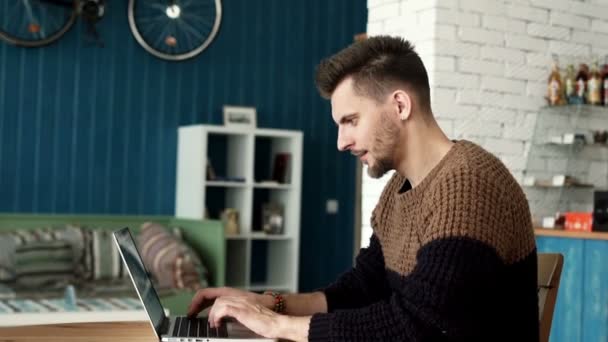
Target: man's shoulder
474, 164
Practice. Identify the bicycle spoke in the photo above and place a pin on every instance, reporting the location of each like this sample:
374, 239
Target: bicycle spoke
193, 32
156, 6
161, 36
156, 18
207, 23
197, 4
58, 3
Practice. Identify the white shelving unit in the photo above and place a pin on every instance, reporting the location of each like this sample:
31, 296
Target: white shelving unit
243, 159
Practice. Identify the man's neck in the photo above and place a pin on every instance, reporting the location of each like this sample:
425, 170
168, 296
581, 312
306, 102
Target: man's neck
425, 145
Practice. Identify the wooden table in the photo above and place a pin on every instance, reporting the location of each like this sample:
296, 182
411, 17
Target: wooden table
89, 332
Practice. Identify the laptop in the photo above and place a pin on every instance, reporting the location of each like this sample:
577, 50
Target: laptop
176, 329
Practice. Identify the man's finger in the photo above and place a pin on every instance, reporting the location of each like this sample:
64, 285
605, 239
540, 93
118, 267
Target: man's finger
226, 310
202, 299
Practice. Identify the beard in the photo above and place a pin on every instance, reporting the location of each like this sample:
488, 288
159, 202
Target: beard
386, 138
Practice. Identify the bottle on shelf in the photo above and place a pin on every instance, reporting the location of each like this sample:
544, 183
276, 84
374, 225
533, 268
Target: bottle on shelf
555, 87
581, 84
570, 81
604, 78
594, 85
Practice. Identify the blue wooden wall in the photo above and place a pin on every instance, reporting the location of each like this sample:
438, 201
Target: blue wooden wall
93, 130
581, 311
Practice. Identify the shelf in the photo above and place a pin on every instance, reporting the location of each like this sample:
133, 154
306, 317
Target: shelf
245, 161
237, 237
549, 186
576, 107
571, 234
264, 287
258, 236
277, 186
577, 144
223, 184
264, 236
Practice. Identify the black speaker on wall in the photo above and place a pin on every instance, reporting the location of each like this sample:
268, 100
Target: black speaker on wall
600, 211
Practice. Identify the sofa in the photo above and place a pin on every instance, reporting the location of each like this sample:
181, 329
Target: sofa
205, 237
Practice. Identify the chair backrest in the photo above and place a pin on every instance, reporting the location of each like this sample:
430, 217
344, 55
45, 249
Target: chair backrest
549, 273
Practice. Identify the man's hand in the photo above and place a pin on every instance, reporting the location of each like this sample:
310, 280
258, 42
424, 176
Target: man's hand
206, 297
259, 319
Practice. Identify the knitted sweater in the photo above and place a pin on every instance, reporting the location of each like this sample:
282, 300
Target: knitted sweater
453, 259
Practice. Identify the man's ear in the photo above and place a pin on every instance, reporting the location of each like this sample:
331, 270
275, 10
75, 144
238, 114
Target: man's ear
404, 104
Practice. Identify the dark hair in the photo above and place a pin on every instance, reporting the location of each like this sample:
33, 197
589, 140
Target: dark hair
376, 65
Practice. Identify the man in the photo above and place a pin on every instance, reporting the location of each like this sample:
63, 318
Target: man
452, 257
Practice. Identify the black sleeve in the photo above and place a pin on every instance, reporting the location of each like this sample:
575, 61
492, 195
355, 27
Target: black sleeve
362, 285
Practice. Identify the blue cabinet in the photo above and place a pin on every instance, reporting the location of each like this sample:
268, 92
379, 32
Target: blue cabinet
581, 312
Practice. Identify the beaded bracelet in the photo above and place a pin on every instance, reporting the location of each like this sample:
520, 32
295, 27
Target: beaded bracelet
279, 301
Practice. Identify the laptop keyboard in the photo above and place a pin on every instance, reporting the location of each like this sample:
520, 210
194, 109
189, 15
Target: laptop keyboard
197, 327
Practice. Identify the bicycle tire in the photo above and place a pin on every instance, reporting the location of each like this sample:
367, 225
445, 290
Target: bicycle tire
11, 39
174, 57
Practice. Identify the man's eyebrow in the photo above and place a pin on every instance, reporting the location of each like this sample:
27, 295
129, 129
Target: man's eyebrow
344, 119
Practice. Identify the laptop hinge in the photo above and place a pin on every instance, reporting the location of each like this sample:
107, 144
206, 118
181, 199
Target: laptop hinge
164, 326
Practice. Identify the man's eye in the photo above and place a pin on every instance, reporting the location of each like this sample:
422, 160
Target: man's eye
352, 122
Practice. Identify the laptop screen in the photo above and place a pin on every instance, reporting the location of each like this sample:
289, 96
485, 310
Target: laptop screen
140, 278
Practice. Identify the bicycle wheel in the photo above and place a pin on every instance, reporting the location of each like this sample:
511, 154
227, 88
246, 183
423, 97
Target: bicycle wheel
33, 23
174, 29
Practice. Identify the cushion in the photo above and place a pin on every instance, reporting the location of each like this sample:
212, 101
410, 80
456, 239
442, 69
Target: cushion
101, 259
172, 263
40, 257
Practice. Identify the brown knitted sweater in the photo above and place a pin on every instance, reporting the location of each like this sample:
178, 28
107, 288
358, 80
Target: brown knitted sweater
453, 259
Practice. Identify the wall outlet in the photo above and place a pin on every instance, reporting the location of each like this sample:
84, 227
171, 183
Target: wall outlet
331, 206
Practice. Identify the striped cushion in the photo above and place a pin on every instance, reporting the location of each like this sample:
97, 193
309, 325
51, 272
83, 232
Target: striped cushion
171, 261
101, 259
45, 256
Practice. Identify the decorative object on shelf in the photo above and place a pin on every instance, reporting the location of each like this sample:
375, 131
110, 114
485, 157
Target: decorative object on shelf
605, 83
600, 211
272, 218
594, 85
555, 87
570, 84
230, 219
568, 139
69, 297
558, 181
579, 221
553, 222
240, 116
581, 84
210, 171
281, 170
600, 137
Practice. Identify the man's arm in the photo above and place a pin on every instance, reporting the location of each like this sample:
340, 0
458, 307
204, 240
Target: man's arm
362, 285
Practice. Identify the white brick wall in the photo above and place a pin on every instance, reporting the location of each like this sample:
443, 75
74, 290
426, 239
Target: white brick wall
569, 20
488, 63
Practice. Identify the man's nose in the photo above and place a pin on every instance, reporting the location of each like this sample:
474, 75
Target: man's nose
344, 143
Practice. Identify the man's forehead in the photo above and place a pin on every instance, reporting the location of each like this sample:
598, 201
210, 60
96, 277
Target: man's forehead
344, 100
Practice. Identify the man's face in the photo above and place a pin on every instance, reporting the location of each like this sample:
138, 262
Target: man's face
365, 128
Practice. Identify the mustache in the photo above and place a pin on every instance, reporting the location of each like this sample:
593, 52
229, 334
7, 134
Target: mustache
357, 153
